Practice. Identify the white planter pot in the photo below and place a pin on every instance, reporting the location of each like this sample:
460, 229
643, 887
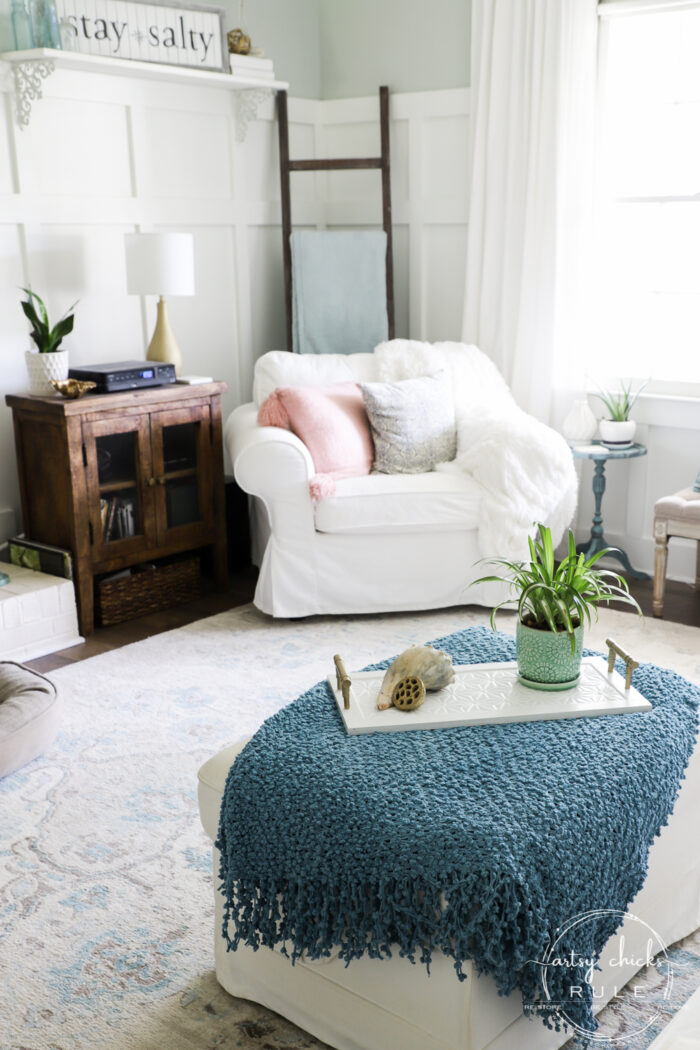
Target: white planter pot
617, 434
41, 368
580, 424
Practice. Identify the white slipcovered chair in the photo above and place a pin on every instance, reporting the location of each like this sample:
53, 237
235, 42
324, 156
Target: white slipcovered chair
381, 542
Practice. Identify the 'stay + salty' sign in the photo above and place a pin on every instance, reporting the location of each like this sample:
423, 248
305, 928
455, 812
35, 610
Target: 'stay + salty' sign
173, 35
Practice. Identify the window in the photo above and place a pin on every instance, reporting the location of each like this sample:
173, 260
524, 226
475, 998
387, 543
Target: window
647, 284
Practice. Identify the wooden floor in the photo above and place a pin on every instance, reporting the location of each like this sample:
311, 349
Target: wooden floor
681, 601
106, 638
682, 606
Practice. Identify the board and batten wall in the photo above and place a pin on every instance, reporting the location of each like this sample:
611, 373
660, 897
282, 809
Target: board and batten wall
670, 429
104, 155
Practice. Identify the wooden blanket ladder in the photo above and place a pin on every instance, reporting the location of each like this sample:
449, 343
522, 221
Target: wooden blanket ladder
287, 166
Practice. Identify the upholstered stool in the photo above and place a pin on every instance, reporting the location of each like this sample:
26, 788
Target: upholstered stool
28, 715
677, 515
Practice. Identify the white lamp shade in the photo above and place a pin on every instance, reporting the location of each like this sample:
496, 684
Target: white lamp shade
160, 263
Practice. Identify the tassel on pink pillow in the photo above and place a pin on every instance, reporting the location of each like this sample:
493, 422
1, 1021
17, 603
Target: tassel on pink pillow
332, 422
273, 413
321, 486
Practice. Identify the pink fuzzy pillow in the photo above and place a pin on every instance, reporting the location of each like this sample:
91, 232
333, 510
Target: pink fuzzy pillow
332, 422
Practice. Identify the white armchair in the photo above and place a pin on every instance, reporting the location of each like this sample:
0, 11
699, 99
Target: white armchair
379, 543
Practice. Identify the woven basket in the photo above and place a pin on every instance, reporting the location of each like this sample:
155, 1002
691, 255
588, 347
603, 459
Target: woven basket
148, 591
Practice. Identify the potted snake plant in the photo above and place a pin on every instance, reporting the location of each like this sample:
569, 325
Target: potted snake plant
554, 601
48, 361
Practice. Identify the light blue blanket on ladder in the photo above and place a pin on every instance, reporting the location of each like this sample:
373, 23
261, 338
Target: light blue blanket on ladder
338, 291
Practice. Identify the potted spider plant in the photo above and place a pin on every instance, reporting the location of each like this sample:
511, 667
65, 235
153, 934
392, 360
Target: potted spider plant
617, 430
554, 602
48, 361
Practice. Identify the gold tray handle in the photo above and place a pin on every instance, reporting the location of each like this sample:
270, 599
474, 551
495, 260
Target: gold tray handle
630, 664
342, 680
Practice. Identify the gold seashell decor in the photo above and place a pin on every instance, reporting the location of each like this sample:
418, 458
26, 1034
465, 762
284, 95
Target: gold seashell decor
72, 388
432, 666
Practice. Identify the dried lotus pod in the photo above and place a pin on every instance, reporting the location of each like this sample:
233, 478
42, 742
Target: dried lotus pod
432, 666
408, 694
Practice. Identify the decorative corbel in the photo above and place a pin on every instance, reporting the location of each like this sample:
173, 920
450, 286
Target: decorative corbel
247, 102
28, 80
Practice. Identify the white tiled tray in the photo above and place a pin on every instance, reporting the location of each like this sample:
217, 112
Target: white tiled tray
488, 694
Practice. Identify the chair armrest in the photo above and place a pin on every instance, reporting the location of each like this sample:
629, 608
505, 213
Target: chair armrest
269, 462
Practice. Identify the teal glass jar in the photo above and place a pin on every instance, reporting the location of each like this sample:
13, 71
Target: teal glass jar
44, 21
21, 26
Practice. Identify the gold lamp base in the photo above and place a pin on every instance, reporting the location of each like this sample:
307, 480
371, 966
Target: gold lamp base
163, 345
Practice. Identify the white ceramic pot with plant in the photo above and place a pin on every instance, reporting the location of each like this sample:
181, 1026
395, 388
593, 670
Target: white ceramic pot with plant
47, 362
554, 601
617, 429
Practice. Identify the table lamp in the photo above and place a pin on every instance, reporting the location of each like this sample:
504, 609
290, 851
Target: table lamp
161, 264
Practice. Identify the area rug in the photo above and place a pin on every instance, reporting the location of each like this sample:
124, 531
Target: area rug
106, 909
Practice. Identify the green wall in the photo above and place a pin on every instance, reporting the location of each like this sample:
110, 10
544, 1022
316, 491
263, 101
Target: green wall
407, 44
347, 48
288, 31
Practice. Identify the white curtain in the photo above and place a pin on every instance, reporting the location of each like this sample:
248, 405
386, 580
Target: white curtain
533, 77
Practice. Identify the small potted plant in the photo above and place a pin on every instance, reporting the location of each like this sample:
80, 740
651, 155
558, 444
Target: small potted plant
618, 430
554, 601
47, 362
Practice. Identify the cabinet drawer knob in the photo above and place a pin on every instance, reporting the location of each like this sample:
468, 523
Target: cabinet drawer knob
151, 482
161, 479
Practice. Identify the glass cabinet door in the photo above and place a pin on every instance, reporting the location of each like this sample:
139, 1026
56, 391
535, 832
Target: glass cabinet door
118, 463
180, 442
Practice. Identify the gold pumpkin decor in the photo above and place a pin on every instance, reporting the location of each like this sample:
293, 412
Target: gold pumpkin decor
238, 42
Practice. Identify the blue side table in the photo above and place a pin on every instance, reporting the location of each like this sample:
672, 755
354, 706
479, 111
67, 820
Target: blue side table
600, 454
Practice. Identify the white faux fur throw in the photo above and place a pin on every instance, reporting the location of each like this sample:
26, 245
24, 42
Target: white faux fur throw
524, 468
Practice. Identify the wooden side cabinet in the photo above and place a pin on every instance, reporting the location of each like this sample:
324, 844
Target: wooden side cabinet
124, 478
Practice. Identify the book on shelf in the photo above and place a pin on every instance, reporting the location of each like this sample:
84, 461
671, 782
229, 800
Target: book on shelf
251, 62
253, 74
250, 66
118, 515
41, 557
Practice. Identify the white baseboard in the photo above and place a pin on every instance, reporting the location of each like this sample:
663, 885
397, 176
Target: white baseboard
640, 550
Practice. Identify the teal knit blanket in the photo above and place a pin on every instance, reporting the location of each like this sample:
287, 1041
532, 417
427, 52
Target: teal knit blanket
480, 842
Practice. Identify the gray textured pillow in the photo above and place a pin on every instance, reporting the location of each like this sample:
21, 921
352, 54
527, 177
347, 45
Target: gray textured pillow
413, 423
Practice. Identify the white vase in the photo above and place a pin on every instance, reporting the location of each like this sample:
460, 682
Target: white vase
41, 368
580, 424
617, 433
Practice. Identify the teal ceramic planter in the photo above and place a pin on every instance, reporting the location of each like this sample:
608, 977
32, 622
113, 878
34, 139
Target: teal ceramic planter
545, 659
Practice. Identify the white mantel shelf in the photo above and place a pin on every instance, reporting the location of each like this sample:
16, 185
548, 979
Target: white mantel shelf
31, 67
128, 67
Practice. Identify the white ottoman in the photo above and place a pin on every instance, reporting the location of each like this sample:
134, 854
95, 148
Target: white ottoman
386, 1004
28, 715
